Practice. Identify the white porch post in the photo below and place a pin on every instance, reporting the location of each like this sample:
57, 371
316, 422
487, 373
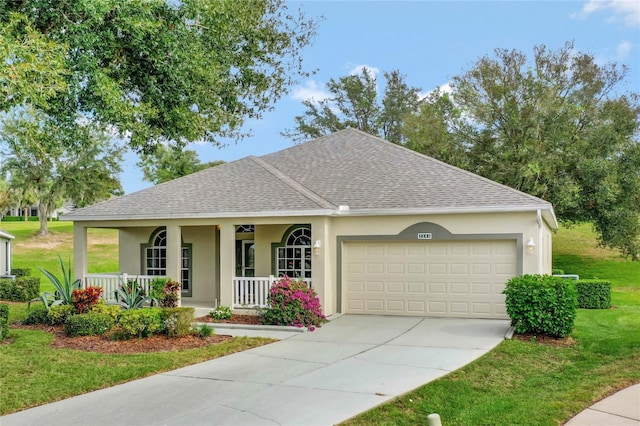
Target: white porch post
80, 251
227, 263
174, 255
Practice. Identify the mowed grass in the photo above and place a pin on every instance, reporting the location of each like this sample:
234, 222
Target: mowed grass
531, 383
32, 373
32, 251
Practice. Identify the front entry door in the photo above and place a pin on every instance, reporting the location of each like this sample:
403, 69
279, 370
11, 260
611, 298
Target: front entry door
245, 258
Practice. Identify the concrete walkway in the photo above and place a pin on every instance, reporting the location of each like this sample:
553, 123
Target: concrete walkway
620, 409
316, 378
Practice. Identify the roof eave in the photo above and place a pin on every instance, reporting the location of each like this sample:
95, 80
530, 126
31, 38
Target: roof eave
547, 212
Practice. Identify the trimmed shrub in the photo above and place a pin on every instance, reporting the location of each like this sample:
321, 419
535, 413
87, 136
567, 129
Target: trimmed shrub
541, 304
20, 219
292, 302
88, 324
594, 294
37, 315
101, 307
4, 321
21, 289
21, 272
140, 322
177, 321
84, 299
58, 314
557, 272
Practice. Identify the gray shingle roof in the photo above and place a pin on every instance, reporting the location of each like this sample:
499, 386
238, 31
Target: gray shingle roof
348, 167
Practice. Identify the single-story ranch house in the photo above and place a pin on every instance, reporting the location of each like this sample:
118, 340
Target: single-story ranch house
373, 227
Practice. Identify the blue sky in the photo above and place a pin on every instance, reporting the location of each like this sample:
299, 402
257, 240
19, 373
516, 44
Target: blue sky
429, 42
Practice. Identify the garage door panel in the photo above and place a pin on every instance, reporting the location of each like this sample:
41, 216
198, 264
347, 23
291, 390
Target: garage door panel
455, 278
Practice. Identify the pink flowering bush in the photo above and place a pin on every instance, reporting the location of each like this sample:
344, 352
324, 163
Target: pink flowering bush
292, 302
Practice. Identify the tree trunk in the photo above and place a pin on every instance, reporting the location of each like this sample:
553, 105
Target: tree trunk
25, 213
43, 211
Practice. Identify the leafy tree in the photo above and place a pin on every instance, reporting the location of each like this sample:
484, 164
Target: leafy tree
58, 161
167, 163
32, 66
555, 127
354, 103
436, 130
156, 71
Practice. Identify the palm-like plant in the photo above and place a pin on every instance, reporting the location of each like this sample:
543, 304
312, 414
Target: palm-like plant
64, 287
130, 295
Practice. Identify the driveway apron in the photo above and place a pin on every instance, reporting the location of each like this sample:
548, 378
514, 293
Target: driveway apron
323, 377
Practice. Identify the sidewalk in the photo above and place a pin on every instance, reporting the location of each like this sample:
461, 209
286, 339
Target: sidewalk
621, 408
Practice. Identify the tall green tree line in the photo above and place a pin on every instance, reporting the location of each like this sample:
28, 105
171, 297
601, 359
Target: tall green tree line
557, 125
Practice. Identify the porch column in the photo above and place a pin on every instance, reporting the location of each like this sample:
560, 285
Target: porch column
227, 263
174, 255
80, 251
321, 271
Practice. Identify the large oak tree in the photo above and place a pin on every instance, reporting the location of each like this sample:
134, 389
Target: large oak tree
558, 125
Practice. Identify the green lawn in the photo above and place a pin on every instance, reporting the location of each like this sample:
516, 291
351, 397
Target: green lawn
31, 251
530, 383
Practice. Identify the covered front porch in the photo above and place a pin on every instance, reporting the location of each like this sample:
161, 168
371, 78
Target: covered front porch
228, 263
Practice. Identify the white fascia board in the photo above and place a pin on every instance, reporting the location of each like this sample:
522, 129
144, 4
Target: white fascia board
6, 235
547, 211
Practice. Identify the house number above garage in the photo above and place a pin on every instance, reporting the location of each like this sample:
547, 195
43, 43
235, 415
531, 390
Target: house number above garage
424, 235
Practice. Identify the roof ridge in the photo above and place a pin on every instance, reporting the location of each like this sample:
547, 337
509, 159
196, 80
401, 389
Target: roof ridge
295, 185
458, 169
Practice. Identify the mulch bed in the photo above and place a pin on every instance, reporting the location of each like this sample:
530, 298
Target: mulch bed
155, 343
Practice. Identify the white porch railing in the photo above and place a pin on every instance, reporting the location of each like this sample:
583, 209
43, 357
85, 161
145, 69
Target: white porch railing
112, 281
249, 292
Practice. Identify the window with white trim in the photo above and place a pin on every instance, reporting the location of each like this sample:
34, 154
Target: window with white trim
294, 257
156, 259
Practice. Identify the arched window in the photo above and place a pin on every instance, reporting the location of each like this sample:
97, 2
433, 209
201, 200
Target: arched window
293, 254
155, 259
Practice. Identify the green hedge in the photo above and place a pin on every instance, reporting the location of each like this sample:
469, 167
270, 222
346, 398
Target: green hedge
594, 294
140, 322
90, 324
4, 321
21, 272
59, 314
21, 289
21, 219
37, 315
541, 304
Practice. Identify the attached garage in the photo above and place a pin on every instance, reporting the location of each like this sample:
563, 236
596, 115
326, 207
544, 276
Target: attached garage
432, 278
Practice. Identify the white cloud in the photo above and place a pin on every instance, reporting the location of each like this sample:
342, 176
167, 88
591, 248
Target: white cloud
310, 91
627, 10
443, 88
357, 70
624, 49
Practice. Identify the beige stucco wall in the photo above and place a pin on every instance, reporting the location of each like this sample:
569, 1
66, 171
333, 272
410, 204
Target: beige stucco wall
213, 269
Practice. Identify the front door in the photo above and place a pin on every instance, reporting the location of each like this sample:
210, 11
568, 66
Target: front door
245, 258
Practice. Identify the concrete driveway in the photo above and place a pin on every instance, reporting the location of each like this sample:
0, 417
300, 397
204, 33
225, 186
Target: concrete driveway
317, 378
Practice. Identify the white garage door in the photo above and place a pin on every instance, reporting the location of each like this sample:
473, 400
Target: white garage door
446, 279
